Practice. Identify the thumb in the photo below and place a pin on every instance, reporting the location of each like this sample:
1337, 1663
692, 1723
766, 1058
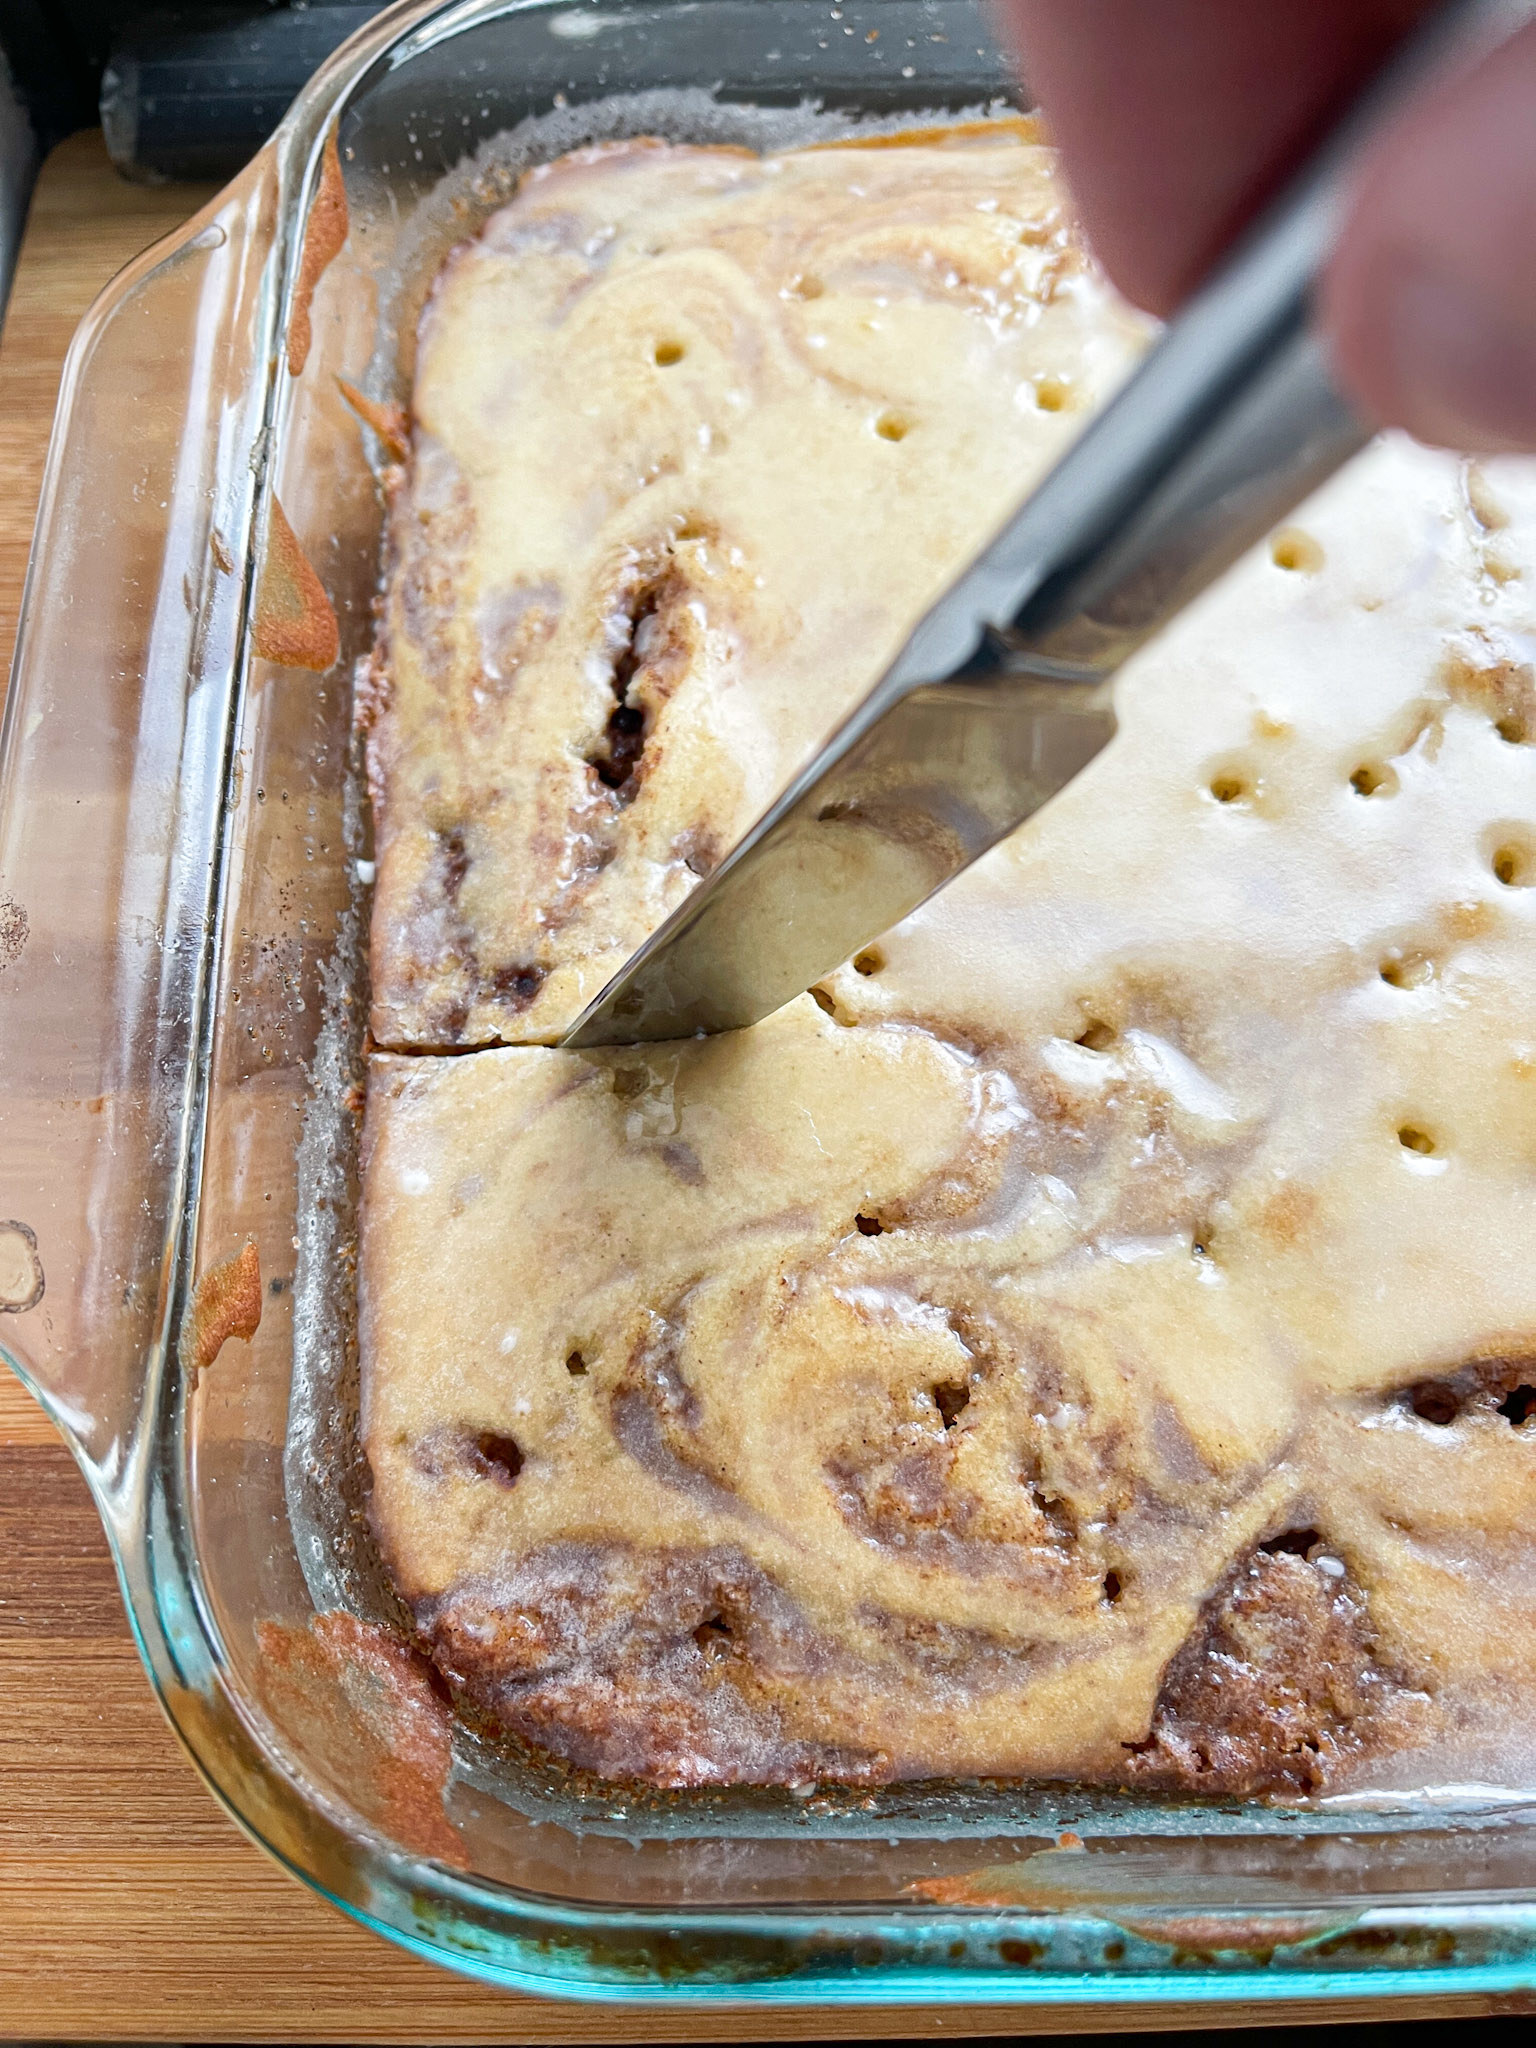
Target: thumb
1430, 300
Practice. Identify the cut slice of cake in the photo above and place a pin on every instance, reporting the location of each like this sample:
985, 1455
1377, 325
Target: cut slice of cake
696, 438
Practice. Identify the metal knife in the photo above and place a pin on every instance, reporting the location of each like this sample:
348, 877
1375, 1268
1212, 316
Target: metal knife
1002, 693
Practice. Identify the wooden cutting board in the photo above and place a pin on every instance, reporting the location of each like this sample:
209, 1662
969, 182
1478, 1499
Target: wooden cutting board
130, 1908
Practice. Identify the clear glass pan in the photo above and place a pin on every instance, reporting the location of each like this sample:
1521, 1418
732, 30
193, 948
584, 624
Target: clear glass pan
179, 917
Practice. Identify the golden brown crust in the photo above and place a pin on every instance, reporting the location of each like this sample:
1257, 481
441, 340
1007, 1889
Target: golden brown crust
1279, 1688
657, 1666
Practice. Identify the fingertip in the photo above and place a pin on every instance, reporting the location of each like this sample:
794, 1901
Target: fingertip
1176, 122
1429, 304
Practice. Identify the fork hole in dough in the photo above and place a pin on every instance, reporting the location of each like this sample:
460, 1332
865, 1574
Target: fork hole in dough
1514, 863
1433, 1401
714, 1637
1407, 970
951, 1398
826, 1002
1374, 778
1295, 549
500, 1457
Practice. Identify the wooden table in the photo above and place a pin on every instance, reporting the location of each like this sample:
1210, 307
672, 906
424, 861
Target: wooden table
130, 1908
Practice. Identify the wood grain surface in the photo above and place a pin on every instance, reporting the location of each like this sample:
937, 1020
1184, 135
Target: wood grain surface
130, 1908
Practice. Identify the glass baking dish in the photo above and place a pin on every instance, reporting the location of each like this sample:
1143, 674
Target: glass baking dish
183, 875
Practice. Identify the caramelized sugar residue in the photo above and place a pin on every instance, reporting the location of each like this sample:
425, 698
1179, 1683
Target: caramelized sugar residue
295, 623
226, 1303
325, 232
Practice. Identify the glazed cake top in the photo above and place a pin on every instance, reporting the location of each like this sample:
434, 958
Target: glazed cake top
697, 437
1099, 1340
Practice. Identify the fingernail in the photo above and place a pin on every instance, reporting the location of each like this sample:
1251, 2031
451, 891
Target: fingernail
1465, 360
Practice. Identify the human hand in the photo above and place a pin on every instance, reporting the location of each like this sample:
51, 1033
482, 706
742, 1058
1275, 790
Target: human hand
1177, 119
